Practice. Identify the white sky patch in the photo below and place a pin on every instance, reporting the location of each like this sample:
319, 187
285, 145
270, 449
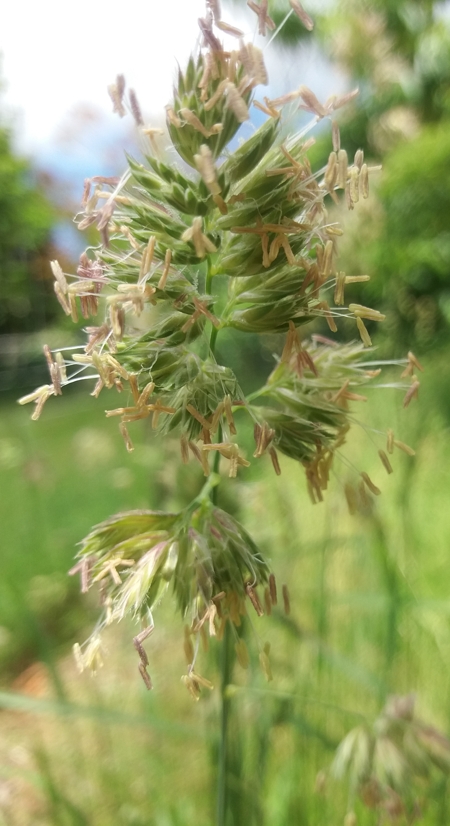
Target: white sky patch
59, 58
57, 54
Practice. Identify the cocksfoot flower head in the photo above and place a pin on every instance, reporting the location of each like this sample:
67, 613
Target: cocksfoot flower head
197, 236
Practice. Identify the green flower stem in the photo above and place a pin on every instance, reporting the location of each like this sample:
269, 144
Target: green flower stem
223, 785
215, 473
209, 278
257, 393
212, 340
209, 488
212, 347
227, 653
208, 290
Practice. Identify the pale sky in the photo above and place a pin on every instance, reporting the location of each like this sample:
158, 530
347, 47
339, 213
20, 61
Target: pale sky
56, 54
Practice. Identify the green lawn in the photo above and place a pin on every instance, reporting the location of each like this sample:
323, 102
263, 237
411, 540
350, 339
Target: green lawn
370, 616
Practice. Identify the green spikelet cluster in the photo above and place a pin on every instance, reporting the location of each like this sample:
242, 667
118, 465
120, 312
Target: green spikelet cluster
211, 75
203, 551
249, 216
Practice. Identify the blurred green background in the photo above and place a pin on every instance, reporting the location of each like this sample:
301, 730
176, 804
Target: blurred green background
370, 593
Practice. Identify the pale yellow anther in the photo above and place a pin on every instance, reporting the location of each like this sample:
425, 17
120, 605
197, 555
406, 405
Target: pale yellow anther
366, 312
339, 289
331, 172
201, 242
231, 452
342, 168
363, 332
368, 482
165, 273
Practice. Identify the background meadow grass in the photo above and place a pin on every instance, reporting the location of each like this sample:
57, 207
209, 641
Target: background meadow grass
369, 617
370, 593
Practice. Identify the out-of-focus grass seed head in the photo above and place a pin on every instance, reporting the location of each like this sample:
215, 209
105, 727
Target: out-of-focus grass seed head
387, 763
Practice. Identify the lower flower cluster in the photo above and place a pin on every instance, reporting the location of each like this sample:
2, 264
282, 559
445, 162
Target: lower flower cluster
213, 566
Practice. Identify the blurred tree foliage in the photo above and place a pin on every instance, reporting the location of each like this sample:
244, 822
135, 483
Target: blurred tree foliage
399, 55
26, 218
408, 248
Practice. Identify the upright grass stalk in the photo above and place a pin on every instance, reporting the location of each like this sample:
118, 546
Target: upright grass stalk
394, 586
223, 763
